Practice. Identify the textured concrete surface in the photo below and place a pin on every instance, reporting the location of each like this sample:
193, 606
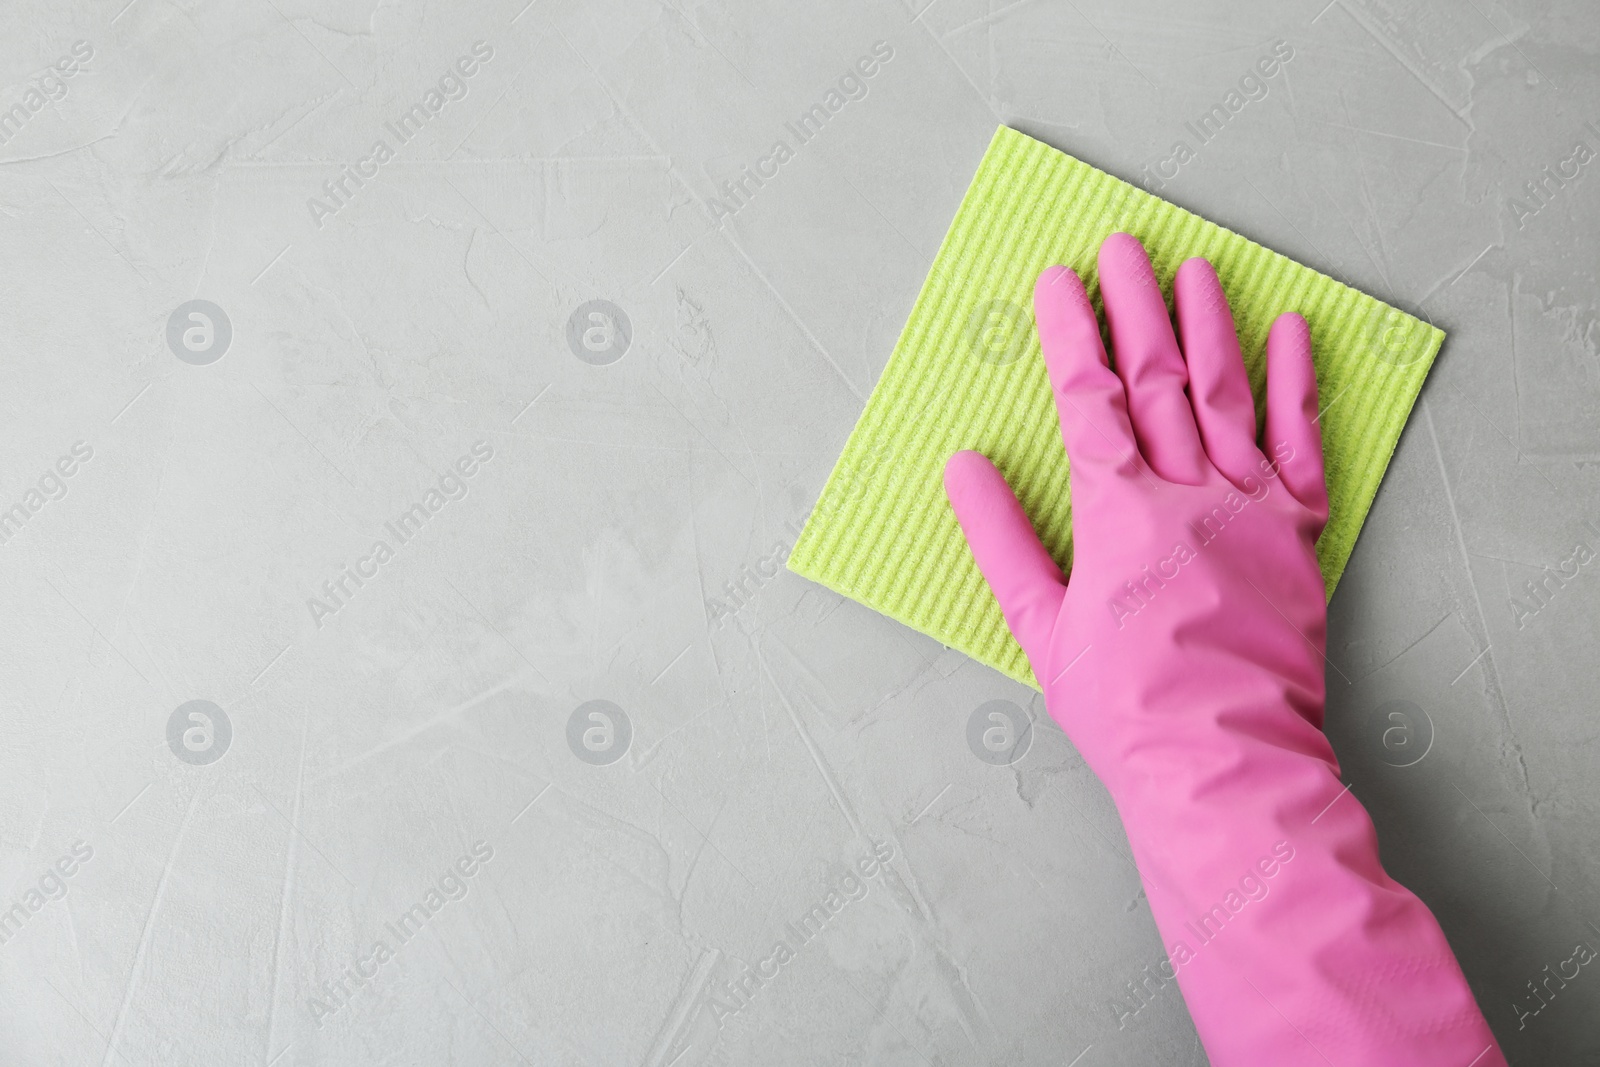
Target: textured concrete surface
395, 829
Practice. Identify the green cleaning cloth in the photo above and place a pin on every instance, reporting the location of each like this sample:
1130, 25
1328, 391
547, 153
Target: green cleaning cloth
967, 373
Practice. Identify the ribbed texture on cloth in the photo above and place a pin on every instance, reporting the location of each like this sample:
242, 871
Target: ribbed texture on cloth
967, 373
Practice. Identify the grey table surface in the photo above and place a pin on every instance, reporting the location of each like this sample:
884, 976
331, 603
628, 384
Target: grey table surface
394, 830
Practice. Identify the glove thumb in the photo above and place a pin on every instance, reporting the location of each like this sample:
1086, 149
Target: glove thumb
1024, 579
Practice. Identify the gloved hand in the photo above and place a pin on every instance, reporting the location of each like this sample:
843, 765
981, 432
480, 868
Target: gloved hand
1184, 658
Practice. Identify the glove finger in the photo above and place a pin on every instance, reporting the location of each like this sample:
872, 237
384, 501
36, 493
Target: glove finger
1149, 363
1218, 386
1089, 397
1025, 580
1294, 438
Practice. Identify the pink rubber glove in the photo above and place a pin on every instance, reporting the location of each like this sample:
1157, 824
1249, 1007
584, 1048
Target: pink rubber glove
1185, 661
